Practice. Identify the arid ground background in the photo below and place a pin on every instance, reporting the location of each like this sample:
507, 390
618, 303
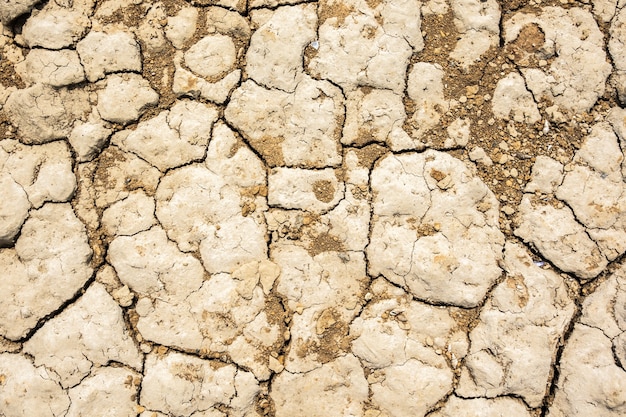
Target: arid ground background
312, 208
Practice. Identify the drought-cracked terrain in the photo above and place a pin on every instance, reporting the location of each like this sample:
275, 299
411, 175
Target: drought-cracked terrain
328, 208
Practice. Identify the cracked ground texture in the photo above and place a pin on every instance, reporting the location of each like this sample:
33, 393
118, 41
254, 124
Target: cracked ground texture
313, 208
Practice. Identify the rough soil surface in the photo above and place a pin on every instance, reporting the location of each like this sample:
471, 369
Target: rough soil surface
292, 208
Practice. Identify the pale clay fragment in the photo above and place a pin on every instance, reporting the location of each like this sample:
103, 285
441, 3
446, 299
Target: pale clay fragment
49, 264
595, 190
373, 52
125, 97
227, 22
317, 393
107, 392
118, 173
324, 289
312, 190
274, 58
479, 155
151, 264
547, 175
14, 208
578, 70
55, 68
11, 10
617, 118
187, 84
89, 333
511, 100
224, 314
55, 29
132, 215
224, 224
434, 215
425, 89
150, 31
88, 138
478, 24
28, 390
300, 129
212, 57
43, 114
375, 116
458, 133
44, 172
204, 385
180, 28
592, 378
523, 321
174, 137
616, 48
102, 53
560, 238
403, 340
594, 219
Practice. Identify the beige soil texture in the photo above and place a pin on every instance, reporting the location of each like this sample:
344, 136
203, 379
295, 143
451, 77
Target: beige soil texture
377, 208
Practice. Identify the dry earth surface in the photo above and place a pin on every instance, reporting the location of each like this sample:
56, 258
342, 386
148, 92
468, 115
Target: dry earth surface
313, 208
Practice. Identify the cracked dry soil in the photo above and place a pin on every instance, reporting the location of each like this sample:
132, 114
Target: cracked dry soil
312, 208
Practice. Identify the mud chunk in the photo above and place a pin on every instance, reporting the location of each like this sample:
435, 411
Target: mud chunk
316, 393
529, 312
478, 24
575, 49
212, 56
55, 68
312, 190
29, 390
425, 89
400, 339
511, 100
211, 197
44, 172
174, 137
373, 43
300, 129
129, 216
180, 28
594, 189
434, 215
204, 384
458, 133
560, 238
49, 264
617, 50
187, 84
43, 114
107, 388
55, 28
547, 175
274, 58
324, 290
13, 209
89, 333
479, 155
125, 97
592, 377
88, 138
102, 53
149, 263
118, 173
11, 9
375, 116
